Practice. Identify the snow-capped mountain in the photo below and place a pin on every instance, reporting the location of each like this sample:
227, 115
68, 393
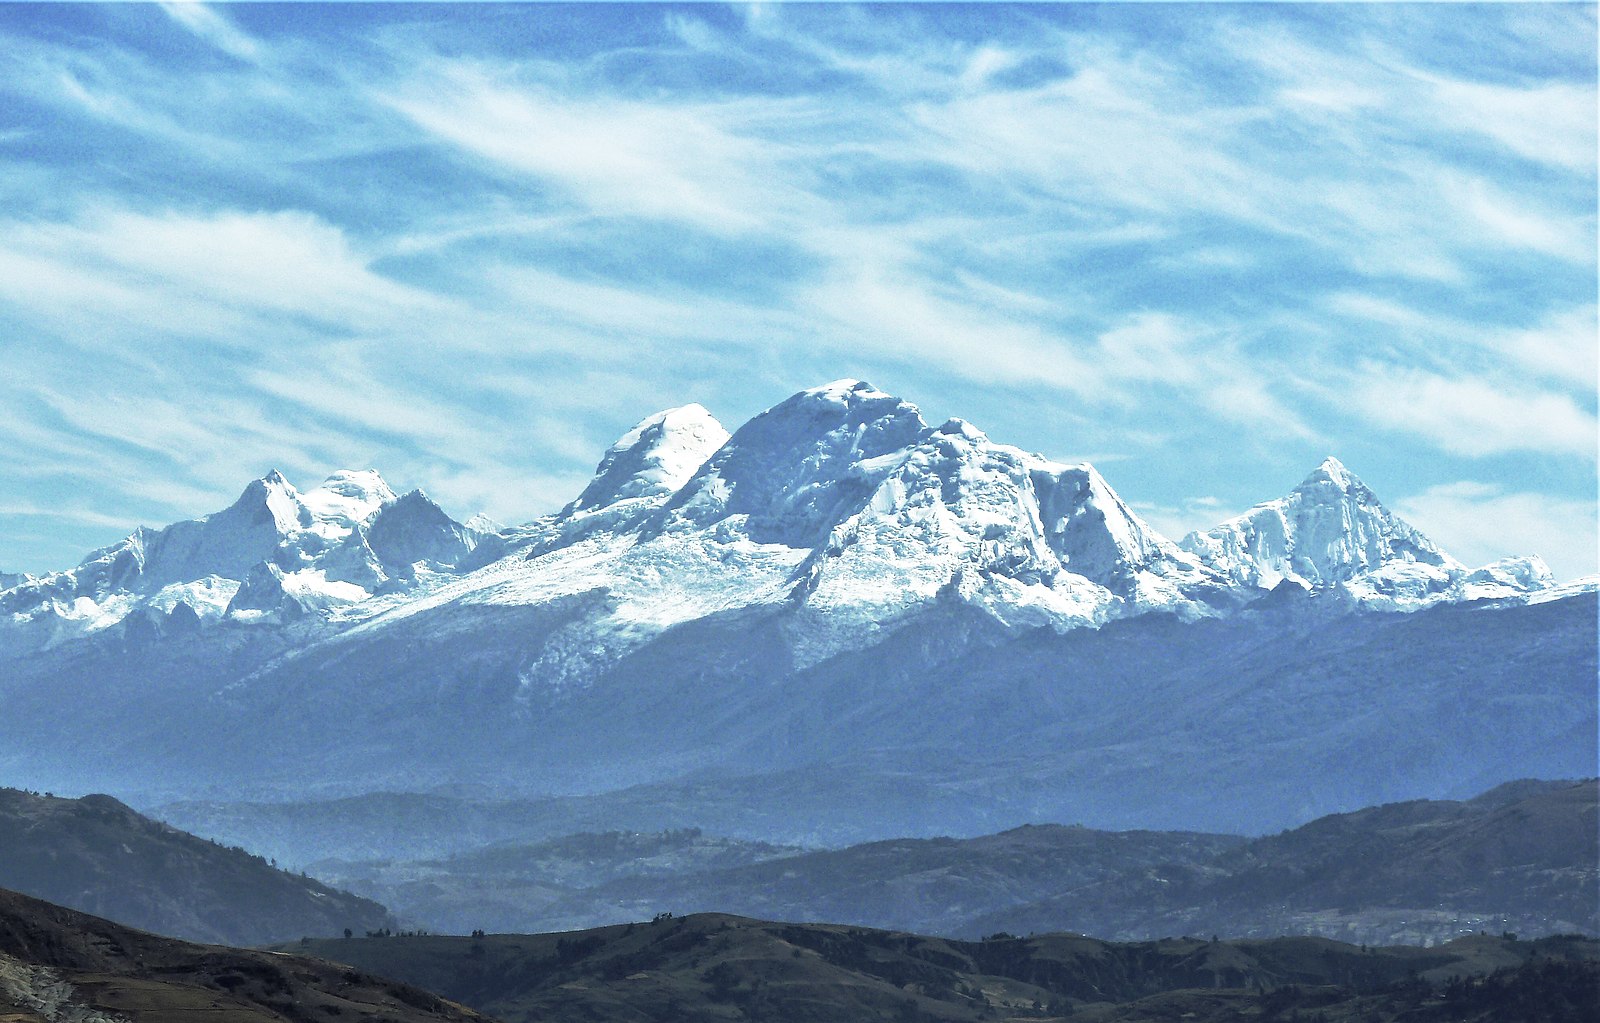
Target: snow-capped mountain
272, 555
840, 501
843, 503
1332, 532
837, 582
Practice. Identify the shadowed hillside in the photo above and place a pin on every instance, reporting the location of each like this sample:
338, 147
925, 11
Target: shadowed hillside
60, 965
96, 855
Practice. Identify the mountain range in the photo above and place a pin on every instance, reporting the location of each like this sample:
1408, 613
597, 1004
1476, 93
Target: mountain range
841, 499
865, 619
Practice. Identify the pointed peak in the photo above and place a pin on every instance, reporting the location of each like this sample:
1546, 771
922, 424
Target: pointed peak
481, 523
273, 486
270, 497
1331, 528
1331, 470
1332, 473
416, 496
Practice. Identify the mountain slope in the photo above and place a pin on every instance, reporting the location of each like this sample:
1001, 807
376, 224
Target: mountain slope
1248, 723
933, 886
96, 855
57, 964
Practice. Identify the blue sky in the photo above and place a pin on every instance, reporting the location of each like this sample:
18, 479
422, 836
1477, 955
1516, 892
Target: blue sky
1202, 246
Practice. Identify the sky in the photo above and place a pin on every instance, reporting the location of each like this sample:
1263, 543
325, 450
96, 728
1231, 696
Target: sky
1201, 246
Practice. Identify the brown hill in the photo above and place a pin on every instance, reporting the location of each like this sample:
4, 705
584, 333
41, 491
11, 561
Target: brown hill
96, 855
61, 966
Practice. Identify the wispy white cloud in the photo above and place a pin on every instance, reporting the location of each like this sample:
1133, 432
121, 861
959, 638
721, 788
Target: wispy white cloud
1481, 522
1514, 224
672, 161
1564, 345
1546, 123
114, 276
205, 22
1474, 417
433, 252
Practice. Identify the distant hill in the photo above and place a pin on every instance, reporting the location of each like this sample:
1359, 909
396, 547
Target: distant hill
543, 885
1524, 857
715, 967
61, 966
932, 885
96, 855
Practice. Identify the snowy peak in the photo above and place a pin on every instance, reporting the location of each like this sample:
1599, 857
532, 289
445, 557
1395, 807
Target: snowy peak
1331, 529
225, 543
1093, 530
272, 498
1333, 471
654, 459
793, 472
272, 550
348, 498
1331, 483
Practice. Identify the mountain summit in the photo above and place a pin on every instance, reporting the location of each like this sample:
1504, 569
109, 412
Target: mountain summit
1330, 529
